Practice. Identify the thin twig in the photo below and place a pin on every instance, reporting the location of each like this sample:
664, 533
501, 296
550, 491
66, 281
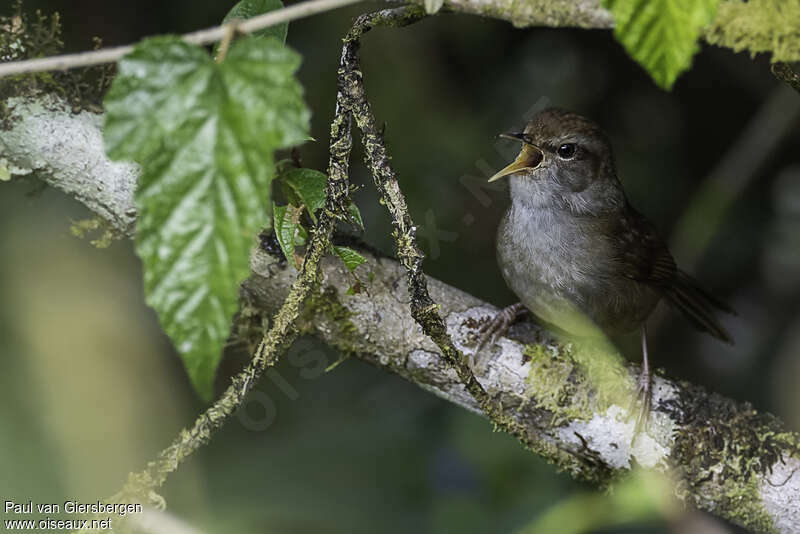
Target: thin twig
200, 37
424, 309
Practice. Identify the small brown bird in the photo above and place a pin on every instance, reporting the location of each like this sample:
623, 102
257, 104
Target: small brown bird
576, 253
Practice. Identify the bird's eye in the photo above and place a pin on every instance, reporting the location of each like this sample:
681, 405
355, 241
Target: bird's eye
566, 151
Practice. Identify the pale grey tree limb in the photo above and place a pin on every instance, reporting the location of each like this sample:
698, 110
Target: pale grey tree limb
588, 14
726, 457
48, 139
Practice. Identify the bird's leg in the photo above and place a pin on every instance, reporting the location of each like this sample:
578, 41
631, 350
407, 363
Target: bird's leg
643, 392
499, 324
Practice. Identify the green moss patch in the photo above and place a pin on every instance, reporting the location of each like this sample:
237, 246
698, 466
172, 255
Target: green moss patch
324, 305
577, 381
758, 26
724, 449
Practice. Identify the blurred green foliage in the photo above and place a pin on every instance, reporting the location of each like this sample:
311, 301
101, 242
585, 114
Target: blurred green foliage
641, 497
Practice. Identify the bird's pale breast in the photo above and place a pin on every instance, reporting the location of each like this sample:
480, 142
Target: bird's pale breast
563, 269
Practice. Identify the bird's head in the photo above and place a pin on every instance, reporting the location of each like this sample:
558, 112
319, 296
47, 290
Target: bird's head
565, 161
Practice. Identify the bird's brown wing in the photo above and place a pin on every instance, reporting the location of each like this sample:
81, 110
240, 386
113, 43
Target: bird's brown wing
644, 257
642, 254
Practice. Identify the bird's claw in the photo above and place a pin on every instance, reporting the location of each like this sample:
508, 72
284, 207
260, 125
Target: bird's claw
498, 325
644, 400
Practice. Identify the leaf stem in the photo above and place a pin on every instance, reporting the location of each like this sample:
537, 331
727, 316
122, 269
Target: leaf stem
230, 31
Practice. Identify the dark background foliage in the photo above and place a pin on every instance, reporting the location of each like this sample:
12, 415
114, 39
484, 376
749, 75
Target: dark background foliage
91, 388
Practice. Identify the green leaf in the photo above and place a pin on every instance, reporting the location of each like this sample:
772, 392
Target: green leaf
204, 134
286, 220
310, 187
355, 213
250, 8
661, 35
350, 257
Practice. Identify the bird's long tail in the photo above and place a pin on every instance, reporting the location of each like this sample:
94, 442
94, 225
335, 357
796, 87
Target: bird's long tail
698, 306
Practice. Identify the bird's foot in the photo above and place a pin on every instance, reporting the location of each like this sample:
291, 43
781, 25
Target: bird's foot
644, 394
643, 401
498, 325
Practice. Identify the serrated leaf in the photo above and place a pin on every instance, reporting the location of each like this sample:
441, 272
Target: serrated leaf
433, 6
250, 8
661, 35
310, 187
350, 257
204, 134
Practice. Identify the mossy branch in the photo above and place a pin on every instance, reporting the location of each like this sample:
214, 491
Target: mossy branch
755, 26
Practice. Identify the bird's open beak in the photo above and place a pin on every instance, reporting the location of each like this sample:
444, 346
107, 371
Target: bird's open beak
530, 157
